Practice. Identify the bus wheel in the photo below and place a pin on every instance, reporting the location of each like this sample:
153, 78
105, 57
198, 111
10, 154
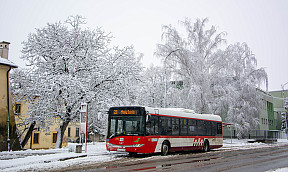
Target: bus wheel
206, 147
165, 148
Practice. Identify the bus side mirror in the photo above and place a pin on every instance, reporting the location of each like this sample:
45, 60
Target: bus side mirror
148, 116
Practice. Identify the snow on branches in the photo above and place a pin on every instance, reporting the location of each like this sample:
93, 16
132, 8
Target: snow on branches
215, 79
70, 65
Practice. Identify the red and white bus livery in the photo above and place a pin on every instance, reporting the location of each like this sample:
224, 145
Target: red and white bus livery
137, 129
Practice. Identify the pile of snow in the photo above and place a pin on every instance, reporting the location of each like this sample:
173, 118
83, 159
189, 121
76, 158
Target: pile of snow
53, 159
279, 170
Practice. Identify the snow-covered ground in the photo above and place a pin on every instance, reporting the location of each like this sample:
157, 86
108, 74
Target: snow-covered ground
52, 159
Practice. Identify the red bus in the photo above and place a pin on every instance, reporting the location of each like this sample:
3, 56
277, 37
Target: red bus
138, 129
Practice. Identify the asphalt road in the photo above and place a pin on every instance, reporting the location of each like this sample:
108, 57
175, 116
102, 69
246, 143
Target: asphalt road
250, 160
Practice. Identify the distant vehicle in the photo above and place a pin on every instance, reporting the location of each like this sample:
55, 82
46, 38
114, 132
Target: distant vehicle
137, 129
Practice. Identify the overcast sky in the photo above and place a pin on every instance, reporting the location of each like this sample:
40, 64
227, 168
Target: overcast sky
262, 24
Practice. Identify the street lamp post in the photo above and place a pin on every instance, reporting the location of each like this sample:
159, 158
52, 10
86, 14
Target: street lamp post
165, 89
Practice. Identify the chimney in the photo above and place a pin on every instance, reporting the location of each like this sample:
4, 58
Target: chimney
4, 49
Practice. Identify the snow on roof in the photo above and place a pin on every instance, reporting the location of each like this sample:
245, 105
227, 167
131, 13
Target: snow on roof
181, 112
7, 62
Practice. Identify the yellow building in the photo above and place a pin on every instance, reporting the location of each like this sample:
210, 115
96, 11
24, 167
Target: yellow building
8, 136
43, 138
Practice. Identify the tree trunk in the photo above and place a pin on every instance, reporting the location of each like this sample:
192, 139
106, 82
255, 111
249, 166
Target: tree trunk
60, 133
28, 134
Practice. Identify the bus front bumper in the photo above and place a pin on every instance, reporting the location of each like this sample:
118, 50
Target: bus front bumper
125, 148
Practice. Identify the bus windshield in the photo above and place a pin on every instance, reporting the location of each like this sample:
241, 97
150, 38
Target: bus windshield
126, 125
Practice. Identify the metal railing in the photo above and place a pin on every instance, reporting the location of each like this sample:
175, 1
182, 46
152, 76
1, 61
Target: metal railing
256, 134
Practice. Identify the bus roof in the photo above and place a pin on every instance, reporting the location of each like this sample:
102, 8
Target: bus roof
181, 112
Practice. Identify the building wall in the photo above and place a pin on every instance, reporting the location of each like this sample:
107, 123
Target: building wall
280, 97
278, 118
73, 132
3, 93
42, 138
265, 113
272, 121
14, 143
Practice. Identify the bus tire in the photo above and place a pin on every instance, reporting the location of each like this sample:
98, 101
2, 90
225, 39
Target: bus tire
206, 147
165, 148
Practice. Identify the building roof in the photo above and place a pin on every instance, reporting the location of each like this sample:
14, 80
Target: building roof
5, 42
7, 63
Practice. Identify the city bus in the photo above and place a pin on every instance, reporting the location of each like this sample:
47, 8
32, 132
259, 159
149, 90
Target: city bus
138, 129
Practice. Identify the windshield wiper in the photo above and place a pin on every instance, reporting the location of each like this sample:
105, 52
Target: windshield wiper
131, 134
112, 135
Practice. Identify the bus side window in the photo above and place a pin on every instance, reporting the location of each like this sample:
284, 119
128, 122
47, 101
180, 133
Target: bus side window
214, 128
219, 128
183, 127
156, 125
112, 127
169, 127
208, 128
175, 126
161, 125
192, 127
201, 128
165, 126
152, 126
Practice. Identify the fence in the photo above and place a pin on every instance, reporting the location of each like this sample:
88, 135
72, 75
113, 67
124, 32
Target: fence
256, 134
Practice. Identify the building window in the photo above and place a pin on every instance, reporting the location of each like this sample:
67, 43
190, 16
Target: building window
77, 132
262, 120
36, 138
17, 109
54, 139
69, 132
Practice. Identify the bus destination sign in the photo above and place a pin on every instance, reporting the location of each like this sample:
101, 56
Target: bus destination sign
124, 112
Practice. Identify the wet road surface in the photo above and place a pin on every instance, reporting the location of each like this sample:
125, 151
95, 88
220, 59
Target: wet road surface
250, 160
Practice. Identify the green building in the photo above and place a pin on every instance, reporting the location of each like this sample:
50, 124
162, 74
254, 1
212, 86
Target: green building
270, 119
267, 119
280, 98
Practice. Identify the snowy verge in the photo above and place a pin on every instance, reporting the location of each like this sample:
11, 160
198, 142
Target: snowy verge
236, 144
279, 170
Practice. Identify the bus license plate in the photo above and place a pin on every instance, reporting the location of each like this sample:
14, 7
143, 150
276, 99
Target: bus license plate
122, 150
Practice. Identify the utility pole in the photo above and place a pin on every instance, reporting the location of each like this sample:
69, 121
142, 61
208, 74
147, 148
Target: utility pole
84, 123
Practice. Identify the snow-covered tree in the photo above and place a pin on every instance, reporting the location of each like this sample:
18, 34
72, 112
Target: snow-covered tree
152, 87
70, 65
20, 83
244, 108
193, 58
215, 79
